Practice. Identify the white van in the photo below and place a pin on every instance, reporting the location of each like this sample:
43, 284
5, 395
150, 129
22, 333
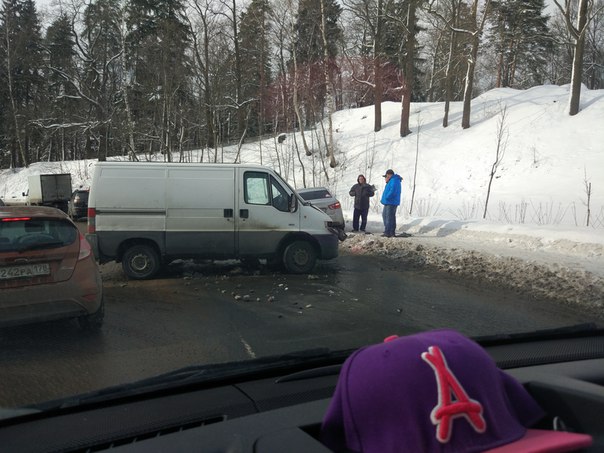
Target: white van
146, 214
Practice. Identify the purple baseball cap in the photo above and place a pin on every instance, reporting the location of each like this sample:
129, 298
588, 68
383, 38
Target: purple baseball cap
435, 391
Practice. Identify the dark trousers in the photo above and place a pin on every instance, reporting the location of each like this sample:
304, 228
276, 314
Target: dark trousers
362, 213
389, 216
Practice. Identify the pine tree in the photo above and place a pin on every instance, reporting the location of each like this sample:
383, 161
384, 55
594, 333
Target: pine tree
310, 53
521, 39
100, 71
158, 58
21, 79
256, 73
63, 105
400, 50
396, 49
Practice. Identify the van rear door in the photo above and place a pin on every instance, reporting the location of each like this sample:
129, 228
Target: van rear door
200, 211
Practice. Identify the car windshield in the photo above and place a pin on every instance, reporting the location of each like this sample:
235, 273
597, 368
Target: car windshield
156, 159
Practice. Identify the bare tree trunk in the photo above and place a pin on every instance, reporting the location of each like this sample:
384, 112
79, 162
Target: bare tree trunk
377, 69
415, 165
499, 71
11, 95
453, 25
130, 125
243, 135
241, 120
588, 204
201, 60
584, 17
300, 160
405, 108
433, 69
297, 106
319, 146
448, 77
408, 83
467, 97
577, 73
377, 123
329, 91
499, 153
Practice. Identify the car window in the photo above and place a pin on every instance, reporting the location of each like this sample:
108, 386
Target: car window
17, 234
279, 196
256, 188
261, 189
81, 196
315, 194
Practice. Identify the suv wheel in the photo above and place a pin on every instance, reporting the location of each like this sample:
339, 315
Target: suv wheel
299, 257
141, 262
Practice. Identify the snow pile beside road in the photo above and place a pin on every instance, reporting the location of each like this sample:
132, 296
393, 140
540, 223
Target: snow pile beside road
541, 266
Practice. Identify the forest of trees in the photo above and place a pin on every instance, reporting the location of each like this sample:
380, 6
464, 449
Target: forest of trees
99, 78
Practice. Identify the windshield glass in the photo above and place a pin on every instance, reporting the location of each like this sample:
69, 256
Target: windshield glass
19, 233
152, 154
80, 197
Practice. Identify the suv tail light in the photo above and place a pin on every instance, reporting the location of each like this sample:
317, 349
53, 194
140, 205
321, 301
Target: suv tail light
91, 221
85, 249
335, 205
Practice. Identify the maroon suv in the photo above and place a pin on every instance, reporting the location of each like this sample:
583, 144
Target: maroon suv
47, 269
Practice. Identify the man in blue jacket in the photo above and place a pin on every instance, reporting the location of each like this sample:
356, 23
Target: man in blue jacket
391, 198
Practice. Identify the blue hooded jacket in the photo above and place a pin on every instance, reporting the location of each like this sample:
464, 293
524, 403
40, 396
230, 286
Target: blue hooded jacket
392, 191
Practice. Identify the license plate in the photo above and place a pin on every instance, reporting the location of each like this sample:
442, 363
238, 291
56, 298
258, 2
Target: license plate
24, 271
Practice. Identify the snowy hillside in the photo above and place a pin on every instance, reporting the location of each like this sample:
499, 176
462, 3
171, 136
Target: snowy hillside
548, 158
534, 240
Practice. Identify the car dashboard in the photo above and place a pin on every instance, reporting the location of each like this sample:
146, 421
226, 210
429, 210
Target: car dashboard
275, 412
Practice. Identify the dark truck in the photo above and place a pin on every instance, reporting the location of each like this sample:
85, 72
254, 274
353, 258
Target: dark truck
49, 190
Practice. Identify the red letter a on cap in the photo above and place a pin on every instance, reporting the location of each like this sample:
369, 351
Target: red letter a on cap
447, 409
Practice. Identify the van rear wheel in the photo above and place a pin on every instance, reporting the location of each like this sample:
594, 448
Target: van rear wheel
299, 257
141, 262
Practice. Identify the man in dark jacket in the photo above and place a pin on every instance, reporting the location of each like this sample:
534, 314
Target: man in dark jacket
391, 199
361, 192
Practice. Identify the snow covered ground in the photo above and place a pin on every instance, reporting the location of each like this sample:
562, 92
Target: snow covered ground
560, 264
534, 238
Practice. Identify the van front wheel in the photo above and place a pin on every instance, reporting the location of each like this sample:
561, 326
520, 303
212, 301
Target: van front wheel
140, 262
299, 257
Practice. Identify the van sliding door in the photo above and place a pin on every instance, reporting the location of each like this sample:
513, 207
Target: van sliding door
200, 212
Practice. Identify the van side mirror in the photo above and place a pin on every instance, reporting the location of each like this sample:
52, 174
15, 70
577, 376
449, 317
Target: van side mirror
292, 202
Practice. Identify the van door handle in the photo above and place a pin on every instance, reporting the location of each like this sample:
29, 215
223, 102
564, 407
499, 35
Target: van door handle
228, 213
244, 213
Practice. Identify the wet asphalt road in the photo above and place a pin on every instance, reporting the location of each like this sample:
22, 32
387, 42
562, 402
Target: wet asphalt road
209, 313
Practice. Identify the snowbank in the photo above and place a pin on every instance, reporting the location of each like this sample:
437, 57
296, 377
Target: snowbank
553, 264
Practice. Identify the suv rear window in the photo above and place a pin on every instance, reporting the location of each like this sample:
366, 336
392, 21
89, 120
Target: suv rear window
81, 196
315, 194
17, 234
